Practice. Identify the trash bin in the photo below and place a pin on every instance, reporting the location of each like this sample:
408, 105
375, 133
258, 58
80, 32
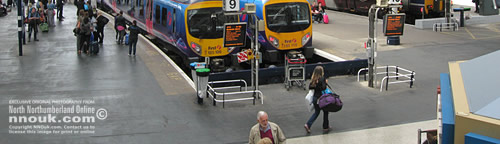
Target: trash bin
194, 66
201, 86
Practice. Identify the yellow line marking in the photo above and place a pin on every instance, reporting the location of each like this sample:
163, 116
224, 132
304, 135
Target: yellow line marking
467, 30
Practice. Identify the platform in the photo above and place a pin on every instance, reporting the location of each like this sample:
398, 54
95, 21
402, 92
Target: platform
148, 101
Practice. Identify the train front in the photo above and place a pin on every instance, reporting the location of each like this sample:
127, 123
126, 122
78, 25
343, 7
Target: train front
205, 28
287, 27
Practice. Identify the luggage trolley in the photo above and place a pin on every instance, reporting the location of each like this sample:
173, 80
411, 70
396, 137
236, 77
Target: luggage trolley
295, 70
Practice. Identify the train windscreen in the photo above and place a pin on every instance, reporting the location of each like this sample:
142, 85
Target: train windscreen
288, 17
208, 23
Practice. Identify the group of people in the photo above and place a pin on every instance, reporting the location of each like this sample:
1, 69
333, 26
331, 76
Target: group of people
41, 12
89, 29
317, 11
133, 35
266, 132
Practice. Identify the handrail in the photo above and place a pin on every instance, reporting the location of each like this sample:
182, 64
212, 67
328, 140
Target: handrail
211, 91
229, 81
410, 75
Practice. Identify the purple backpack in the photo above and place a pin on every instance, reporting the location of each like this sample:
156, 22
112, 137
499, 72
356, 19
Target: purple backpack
330, 101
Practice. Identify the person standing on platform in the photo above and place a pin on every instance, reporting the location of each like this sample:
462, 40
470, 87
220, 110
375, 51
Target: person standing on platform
121, 25
265, 128
132, 39
60, 4
101, 22
34, 19
50, 14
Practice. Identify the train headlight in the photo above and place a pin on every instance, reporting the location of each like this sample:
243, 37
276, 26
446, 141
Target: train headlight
306, 38
274, 41
196, 47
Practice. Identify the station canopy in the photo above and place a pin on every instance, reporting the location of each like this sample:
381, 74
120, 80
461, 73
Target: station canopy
481, 77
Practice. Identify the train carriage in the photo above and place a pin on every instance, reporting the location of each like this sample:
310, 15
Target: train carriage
288, 26
193, 27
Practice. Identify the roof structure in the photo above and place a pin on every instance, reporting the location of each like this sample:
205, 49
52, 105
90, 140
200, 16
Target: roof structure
481, 78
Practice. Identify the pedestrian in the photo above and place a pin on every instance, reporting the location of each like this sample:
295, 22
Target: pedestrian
318, 84
101, 22
86, 29
50, 14
266, 129
34, 20
121, 25
132, 38
60, 4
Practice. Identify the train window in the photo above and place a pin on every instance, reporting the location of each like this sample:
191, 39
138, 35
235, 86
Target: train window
208, 22
288, 17
164, 16
157, 14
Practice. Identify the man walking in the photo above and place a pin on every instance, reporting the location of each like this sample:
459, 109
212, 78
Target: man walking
265, 128
60, 4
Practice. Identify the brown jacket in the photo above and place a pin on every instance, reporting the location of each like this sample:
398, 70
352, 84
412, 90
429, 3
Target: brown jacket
278, 135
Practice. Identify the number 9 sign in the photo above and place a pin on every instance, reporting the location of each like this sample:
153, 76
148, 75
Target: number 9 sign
231, 5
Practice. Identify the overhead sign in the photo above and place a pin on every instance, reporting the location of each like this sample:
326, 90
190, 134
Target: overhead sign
394, 24
234, 34
231, 5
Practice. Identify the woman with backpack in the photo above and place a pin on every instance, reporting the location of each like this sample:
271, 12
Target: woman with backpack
318, 84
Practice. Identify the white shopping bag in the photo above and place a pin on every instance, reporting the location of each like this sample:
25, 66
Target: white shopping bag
309, 100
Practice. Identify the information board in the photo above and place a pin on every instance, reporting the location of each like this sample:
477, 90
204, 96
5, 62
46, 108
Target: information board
394, 24
234, 34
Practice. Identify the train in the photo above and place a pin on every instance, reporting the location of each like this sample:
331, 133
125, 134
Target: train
288, 27
414, 9
195, 27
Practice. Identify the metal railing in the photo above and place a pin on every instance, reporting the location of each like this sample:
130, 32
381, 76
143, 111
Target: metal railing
440, 26
211, 91
410, 76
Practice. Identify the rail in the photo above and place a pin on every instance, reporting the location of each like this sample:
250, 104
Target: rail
410, 75
211, 91
440, 26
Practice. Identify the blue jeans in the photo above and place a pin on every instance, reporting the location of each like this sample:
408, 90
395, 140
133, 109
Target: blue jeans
315, 115
132, 44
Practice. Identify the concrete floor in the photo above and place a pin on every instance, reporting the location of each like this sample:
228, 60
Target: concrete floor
148, 102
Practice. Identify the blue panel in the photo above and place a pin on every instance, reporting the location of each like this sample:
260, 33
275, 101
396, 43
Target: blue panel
447, 110
472, 138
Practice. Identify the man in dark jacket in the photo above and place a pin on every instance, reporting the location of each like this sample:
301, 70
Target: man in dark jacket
132, 38
59, 5
120, 21
101, 22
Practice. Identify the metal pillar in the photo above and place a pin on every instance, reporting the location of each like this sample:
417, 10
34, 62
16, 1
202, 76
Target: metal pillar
255, 51
371, 44
20, 26
447, 13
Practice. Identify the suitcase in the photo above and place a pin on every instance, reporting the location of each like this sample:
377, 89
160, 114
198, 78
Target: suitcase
94, 45
325, 18
126, 39
44, 27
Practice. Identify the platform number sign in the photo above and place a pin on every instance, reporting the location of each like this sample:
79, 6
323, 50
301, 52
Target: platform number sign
231, 5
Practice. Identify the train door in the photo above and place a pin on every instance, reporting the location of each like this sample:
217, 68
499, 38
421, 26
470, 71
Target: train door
149, 16
351, 5
113, 2
341, 4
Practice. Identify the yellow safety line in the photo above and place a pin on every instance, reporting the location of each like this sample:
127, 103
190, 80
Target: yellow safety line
467, 30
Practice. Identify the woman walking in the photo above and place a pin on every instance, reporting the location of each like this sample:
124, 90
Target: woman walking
318, 84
